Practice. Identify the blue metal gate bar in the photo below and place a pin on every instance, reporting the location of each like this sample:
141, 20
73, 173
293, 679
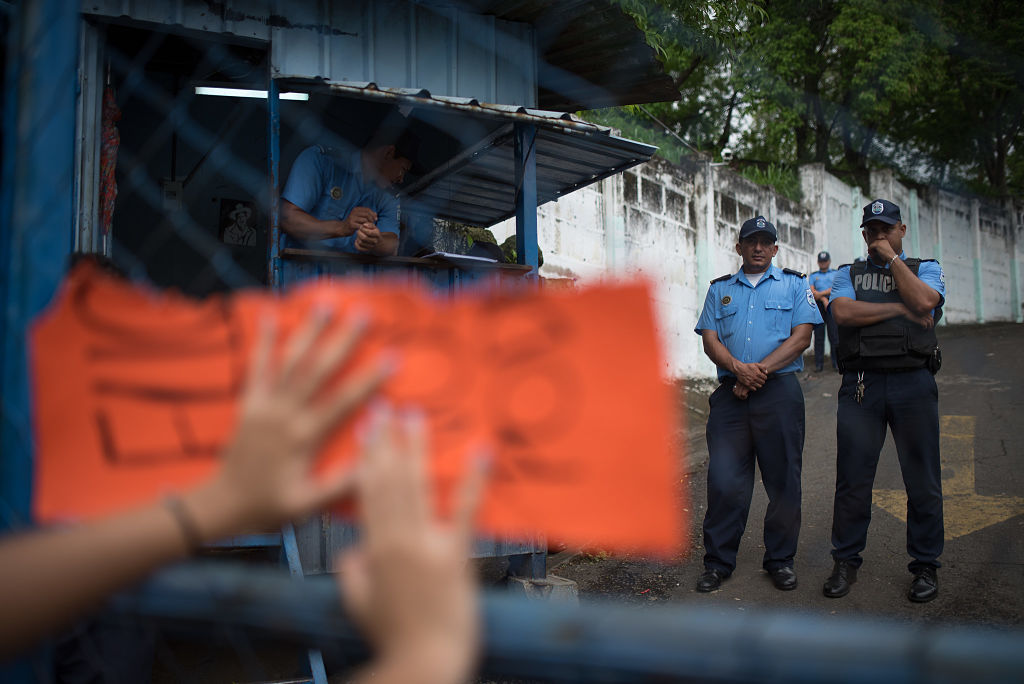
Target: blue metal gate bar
37, 217
273, 159
599, 641
291, 552
526, 193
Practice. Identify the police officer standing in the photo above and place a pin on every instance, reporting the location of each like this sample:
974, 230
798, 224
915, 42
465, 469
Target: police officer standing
755, 326
821, 287
886, 309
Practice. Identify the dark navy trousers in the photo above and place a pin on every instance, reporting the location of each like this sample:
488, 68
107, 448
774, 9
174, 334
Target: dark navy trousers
767, 426
828, 326
908, 403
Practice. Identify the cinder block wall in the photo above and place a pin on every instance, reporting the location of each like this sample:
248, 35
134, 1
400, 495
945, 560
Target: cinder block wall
656, 221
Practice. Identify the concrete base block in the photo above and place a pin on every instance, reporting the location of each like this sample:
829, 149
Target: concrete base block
551, 588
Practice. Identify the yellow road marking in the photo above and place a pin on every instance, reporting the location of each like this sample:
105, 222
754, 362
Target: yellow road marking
964, 510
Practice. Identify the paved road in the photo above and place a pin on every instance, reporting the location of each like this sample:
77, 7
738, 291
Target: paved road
981, 390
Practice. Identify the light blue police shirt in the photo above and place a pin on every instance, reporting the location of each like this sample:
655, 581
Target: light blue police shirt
327, 184
930, 272
822, 280
753, 321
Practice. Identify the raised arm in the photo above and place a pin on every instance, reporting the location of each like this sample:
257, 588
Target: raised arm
919, 297
50, 577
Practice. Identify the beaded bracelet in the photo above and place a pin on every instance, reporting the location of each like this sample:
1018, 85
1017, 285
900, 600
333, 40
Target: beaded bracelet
893, 260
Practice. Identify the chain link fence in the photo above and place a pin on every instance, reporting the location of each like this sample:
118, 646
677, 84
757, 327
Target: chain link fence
179, 190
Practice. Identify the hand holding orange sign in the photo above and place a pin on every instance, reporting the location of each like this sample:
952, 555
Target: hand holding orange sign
136, 395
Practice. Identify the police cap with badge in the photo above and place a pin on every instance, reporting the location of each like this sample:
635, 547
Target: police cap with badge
758, 224
881, 210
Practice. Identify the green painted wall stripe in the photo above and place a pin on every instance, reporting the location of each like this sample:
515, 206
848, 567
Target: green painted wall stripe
979, 301
915, 225
1016, 313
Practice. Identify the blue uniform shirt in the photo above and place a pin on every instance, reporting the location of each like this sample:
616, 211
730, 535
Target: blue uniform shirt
930, 272
822, 280
753, 321
327, 184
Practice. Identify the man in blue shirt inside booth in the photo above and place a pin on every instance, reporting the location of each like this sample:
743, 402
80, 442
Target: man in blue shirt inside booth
886, 309
755, 326
343, 199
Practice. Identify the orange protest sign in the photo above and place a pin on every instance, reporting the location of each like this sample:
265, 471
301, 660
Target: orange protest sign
135, 395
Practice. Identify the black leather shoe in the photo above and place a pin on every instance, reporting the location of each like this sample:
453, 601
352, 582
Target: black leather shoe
925, 586
710, 581
838, 585
783, 578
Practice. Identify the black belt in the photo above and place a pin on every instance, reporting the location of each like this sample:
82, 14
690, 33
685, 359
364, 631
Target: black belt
771, 376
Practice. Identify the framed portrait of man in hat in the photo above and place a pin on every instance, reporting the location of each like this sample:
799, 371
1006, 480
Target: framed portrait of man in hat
238, 223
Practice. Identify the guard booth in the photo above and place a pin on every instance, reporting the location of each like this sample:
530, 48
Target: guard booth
211, 105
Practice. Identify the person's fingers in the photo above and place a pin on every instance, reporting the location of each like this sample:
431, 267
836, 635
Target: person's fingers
335, 350
259, 366
298, 346
355, 584
470, 495
414, 440
352, 394
383, 493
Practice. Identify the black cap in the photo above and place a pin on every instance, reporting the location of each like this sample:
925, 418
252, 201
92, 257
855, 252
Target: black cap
823, 256
881, 210
758, 224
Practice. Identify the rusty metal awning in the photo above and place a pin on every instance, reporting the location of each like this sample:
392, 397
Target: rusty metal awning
467, 172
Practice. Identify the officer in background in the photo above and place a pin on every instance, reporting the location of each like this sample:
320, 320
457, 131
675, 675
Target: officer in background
755, 326
821, 287
886, 309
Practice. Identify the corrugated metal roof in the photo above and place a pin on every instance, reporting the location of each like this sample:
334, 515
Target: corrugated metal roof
590, 53
473, 179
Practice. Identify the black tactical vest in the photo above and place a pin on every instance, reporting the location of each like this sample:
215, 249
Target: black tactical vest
894, 344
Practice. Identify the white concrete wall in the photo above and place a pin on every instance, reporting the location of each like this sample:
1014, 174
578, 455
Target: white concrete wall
655, 221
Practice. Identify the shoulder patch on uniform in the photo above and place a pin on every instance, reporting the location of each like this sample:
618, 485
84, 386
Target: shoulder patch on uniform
798, 274
720, 279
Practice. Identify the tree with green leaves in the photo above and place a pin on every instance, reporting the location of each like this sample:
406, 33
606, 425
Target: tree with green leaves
933, 89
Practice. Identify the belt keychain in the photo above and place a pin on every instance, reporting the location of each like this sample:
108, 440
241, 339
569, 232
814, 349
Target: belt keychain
859, 393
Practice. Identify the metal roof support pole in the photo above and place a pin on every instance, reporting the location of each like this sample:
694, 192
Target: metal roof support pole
273, 161
526, 194
37, 214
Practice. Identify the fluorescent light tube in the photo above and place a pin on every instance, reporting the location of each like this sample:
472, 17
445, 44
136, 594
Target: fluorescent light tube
242, 92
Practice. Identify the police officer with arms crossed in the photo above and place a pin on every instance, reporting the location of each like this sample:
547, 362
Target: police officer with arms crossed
821, 287
886, 309
755, 326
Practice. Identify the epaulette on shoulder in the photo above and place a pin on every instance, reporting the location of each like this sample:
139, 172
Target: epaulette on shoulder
798, 274
725, 277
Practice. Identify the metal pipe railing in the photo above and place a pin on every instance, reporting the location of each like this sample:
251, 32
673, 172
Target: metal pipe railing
598, 641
